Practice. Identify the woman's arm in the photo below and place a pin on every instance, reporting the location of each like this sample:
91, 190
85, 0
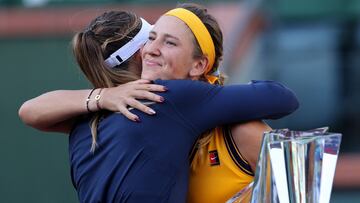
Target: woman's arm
56, 111
248, 137
205, 106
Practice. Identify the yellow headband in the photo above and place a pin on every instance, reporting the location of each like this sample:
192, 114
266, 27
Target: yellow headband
201, 34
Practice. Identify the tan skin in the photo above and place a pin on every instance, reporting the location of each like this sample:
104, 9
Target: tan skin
248, 138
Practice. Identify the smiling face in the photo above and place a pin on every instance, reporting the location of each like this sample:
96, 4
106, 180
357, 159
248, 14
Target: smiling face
168, 54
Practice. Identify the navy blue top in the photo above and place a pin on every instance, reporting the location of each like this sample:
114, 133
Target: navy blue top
148, 161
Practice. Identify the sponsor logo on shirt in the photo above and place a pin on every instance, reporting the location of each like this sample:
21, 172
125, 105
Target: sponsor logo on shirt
214, 158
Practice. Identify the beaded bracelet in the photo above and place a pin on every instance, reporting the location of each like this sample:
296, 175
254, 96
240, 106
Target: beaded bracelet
88, 100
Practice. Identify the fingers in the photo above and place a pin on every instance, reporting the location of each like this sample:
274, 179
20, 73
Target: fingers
122, 109
142, 94
140, 81
142, 107
151, 87
142, 84
137, 105
120, 97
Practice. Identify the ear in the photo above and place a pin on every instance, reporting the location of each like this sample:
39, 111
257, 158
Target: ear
199, 67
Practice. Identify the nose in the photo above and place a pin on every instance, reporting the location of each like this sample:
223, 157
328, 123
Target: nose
152, 48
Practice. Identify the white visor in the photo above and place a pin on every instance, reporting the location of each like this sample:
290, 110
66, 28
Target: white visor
129, 49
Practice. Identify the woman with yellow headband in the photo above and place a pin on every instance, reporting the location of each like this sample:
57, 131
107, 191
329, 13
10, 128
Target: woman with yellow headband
223, 161
148, 161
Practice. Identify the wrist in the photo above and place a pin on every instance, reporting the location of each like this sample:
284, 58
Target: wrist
103, 103
98, 99
93, 100
88, 101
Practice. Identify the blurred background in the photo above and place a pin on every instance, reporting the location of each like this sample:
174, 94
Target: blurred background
313, 47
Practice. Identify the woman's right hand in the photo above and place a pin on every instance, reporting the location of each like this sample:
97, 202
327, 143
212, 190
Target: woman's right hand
119, 98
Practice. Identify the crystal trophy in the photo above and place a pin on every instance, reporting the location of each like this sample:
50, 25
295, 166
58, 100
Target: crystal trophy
293, 166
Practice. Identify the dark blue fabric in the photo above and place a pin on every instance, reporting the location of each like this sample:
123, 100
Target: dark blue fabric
148, 161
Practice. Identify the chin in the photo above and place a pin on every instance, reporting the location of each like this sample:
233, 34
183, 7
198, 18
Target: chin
149, 76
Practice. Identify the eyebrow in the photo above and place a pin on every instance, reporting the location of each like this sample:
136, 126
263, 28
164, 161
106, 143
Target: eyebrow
166, 35
171, 36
